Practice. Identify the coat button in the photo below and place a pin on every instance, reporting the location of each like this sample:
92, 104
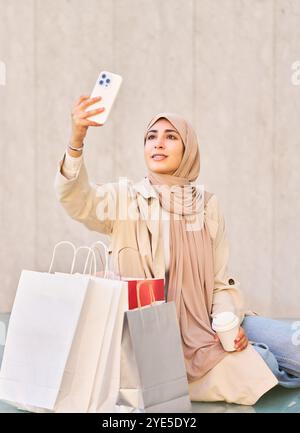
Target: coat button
231, 281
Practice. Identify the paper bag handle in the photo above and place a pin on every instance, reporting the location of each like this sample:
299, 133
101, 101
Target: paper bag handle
106, 255
86, 262
54, 250
149, 285
152, 296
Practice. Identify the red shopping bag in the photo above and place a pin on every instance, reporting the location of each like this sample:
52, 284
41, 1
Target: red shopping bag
157, 285
145, 285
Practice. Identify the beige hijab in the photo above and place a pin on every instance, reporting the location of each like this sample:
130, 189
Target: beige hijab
191, 272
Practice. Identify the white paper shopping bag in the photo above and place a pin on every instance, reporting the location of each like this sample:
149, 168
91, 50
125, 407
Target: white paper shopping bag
40, 333
39, 338
89, 361
107, 378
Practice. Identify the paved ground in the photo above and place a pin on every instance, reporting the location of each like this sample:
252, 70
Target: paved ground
278, 399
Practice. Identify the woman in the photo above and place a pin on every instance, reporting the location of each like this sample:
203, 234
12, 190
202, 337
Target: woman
160, 216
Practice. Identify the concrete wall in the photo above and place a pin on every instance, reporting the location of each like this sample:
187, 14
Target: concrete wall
224, 64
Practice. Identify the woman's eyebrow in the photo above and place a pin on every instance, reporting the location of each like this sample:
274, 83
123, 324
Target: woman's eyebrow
166, 130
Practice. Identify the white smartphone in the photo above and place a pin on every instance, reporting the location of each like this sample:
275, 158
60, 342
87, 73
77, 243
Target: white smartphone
107, 86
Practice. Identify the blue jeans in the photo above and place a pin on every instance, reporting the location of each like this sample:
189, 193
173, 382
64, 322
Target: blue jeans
278, 342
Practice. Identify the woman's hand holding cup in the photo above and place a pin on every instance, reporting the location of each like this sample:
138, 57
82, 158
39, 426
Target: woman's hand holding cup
228, 332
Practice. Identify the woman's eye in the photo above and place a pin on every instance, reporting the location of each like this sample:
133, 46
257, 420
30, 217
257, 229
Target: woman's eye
170, 135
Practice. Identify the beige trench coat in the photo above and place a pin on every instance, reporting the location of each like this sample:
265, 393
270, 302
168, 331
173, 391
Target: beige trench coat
241, 377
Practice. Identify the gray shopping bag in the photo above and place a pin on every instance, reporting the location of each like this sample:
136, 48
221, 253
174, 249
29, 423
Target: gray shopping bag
153, 375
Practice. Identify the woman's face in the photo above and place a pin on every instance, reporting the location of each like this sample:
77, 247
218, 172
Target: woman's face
164, 148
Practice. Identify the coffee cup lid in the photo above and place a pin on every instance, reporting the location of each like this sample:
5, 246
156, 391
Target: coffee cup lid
224, 321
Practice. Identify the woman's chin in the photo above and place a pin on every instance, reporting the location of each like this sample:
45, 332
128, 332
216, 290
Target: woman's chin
160, 168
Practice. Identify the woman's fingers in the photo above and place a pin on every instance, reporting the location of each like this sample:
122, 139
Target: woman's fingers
241, 342
90, 101
241, 334
85, 114
81, 99
79, 116
89, 123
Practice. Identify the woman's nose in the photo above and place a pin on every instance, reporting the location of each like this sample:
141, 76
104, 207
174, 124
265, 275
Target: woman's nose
159, 143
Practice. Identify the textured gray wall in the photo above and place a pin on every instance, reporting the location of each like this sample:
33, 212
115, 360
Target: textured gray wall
224, 64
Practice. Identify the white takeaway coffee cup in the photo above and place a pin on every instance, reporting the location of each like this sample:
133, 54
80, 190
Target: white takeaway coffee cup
226, 326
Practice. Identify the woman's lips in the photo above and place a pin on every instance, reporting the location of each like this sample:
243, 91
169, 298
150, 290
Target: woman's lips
159, 157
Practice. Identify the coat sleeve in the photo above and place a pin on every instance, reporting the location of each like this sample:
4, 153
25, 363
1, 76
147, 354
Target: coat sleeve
94, 205
227, 295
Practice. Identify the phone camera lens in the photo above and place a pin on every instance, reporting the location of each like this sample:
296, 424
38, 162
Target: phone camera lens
108, 80
103, 75
101, 82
